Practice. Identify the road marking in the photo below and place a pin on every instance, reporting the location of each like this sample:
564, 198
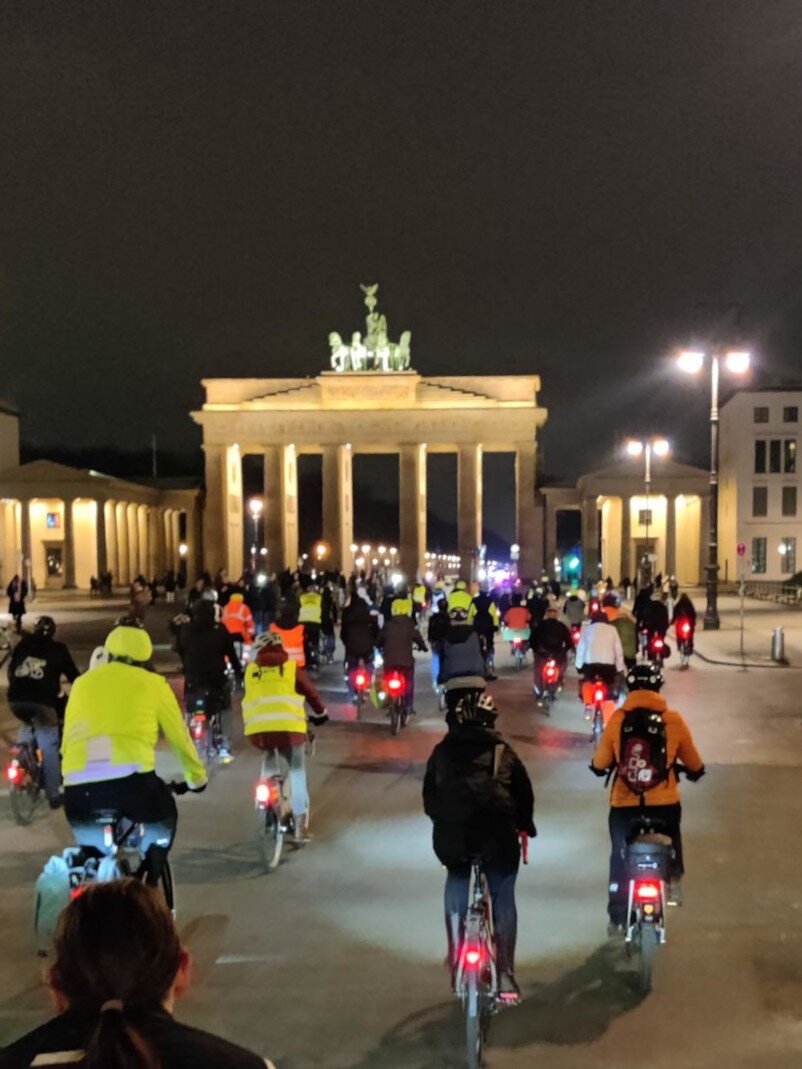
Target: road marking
246, 959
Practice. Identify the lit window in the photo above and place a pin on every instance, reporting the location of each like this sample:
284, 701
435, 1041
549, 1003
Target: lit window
789, 456
53, 520
788, 556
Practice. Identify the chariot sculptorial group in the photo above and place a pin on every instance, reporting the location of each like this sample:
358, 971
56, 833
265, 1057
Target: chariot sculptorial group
376, 352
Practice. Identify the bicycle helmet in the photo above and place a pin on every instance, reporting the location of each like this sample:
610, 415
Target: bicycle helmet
479, 709
265, 640
645, 677
45, 626
128, 644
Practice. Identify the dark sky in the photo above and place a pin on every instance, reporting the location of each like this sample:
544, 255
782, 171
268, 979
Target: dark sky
192, 188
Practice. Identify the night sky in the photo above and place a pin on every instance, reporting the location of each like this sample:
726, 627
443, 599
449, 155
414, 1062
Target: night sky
567, 188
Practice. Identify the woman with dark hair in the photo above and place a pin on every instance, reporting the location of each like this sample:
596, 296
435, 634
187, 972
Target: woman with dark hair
118, 969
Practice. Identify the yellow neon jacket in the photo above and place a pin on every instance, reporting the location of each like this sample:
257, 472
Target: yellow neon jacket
401, 607
460, 599
311, 610
271, 702
112, 725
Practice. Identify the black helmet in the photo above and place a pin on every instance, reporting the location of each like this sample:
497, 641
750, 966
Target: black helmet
45, 626
645, 677
477, 709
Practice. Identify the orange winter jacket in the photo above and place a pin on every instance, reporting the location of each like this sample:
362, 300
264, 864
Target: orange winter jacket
680, 748
238, 619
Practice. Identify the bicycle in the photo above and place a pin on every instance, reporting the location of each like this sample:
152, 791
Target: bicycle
648, 859
26, 780
273, 804
203, 712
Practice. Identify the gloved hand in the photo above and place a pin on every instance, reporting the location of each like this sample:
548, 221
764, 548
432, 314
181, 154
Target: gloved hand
197, 790
531, 831
598, 771
694, 776
319, 718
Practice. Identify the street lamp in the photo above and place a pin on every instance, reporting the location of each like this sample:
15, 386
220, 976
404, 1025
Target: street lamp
255, 506
661, 448
737, 361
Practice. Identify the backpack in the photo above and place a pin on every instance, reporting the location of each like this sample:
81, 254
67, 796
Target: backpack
467, 794
643, 764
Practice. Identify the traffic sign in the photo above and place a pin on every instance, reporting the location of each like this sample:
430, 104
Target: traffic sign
741, 549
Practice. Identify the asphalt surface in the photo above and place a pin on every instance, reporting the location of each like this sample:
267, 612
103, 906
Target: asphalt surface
336, 960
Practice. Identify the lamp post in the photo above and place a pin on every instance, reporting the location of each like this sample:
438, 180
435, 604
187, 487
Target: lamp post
255, 506
661, 448
691, 362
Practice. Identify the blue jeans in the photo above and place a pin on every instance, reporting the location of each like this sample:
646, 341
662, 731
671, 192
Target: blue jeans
505, 915
435, 667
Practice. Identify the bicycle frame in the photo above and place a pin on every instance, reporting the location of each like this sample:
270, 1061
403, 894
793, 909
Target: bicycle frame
478, 948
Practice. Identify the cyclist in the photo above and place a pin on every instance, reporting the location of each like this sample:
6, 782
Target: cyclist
463, 669
207, 649
550, 640
358, 634
420, 600
662, 803
291, 633
599, 654
574, 609
517, 621
460, 598
310, 614
486, 619
684, 613
438, 629
237, 619
114, 715
119, 966
396, 641
37, 667
275, 718
402, 604
479, 797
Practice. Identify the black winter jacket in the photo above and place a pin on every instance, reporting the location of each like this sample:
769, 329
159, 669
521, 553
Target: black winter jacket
552, 637
36, 668
359, 628
203, 647
475, 814
396, 640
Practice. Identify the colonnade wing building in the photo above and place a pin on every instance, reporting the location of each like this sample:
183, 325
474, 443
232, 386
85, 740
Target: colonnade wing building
341, 413
61, 525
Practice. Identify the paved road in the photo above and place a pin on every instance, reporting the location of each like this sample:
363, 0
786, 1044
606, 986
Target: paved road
335, 961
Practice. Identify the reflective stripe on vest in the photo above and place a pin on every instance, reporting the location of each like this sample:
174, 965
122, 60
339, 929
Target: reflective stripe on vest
271, 702
292, 639
236, 621
311, 611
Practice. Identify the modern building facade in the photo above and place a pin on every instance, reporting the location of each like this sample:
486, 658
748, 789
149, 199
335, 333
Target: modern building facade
759, 507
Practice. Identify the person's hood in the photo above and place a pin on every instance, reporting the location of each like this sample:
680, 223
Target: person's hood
236, 598
645, 699
271, 657
287, 620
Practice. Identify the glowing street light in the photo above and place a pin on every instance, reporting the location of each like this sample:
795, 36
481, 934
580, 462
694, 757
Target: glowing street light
255, 507
737, 362
636, 448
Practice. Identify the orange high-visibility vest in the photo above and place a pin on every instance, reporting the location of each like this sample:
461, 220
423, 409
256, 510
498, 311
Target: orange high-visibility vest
292, 639
238, 619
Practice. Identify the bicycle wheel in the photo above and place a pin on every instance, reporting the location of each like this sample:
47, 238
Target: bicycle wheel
167, 886
395, 717
598, 725
24, 796
648, 945
271, 838
474, 1030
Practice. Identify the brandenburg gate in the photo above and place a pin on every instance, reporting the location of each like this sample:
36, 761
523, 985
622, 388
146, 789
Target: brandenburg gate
371, 401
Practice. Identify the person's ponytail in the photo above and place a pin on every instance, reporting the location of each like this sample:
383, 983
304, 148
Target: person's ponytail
115, 1044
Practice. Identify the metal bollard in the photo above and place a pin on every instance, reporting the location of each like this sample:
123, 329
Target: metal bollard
778, 645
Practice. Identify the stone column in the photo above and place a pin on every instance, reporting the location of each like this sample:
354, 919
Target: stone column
132, 520
155, 566
289, 495
124, 577
528, 513
671, 535
338, 507
101, 543
469, 505
626, 538
194, 540
112, 556
69, 546
412, 508
590, 538
215, 521
26, 548
550, 525
169, 548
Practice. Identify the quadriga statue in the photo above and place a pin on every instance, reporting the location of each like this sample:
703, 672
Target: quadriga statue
403, 352
340, 353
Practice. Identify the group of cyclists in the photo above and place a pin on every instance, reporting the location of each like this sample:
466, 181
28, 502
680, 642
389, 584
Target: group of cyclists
476, 790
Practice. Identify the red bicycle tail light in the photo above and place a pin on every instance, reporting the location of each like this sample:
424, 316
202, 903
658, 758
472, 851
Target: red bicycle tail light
13, 772
550, 671
647, 892
360, 680
395, 684
657, 643
266, 793
473, 956
685, 628
599, 694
